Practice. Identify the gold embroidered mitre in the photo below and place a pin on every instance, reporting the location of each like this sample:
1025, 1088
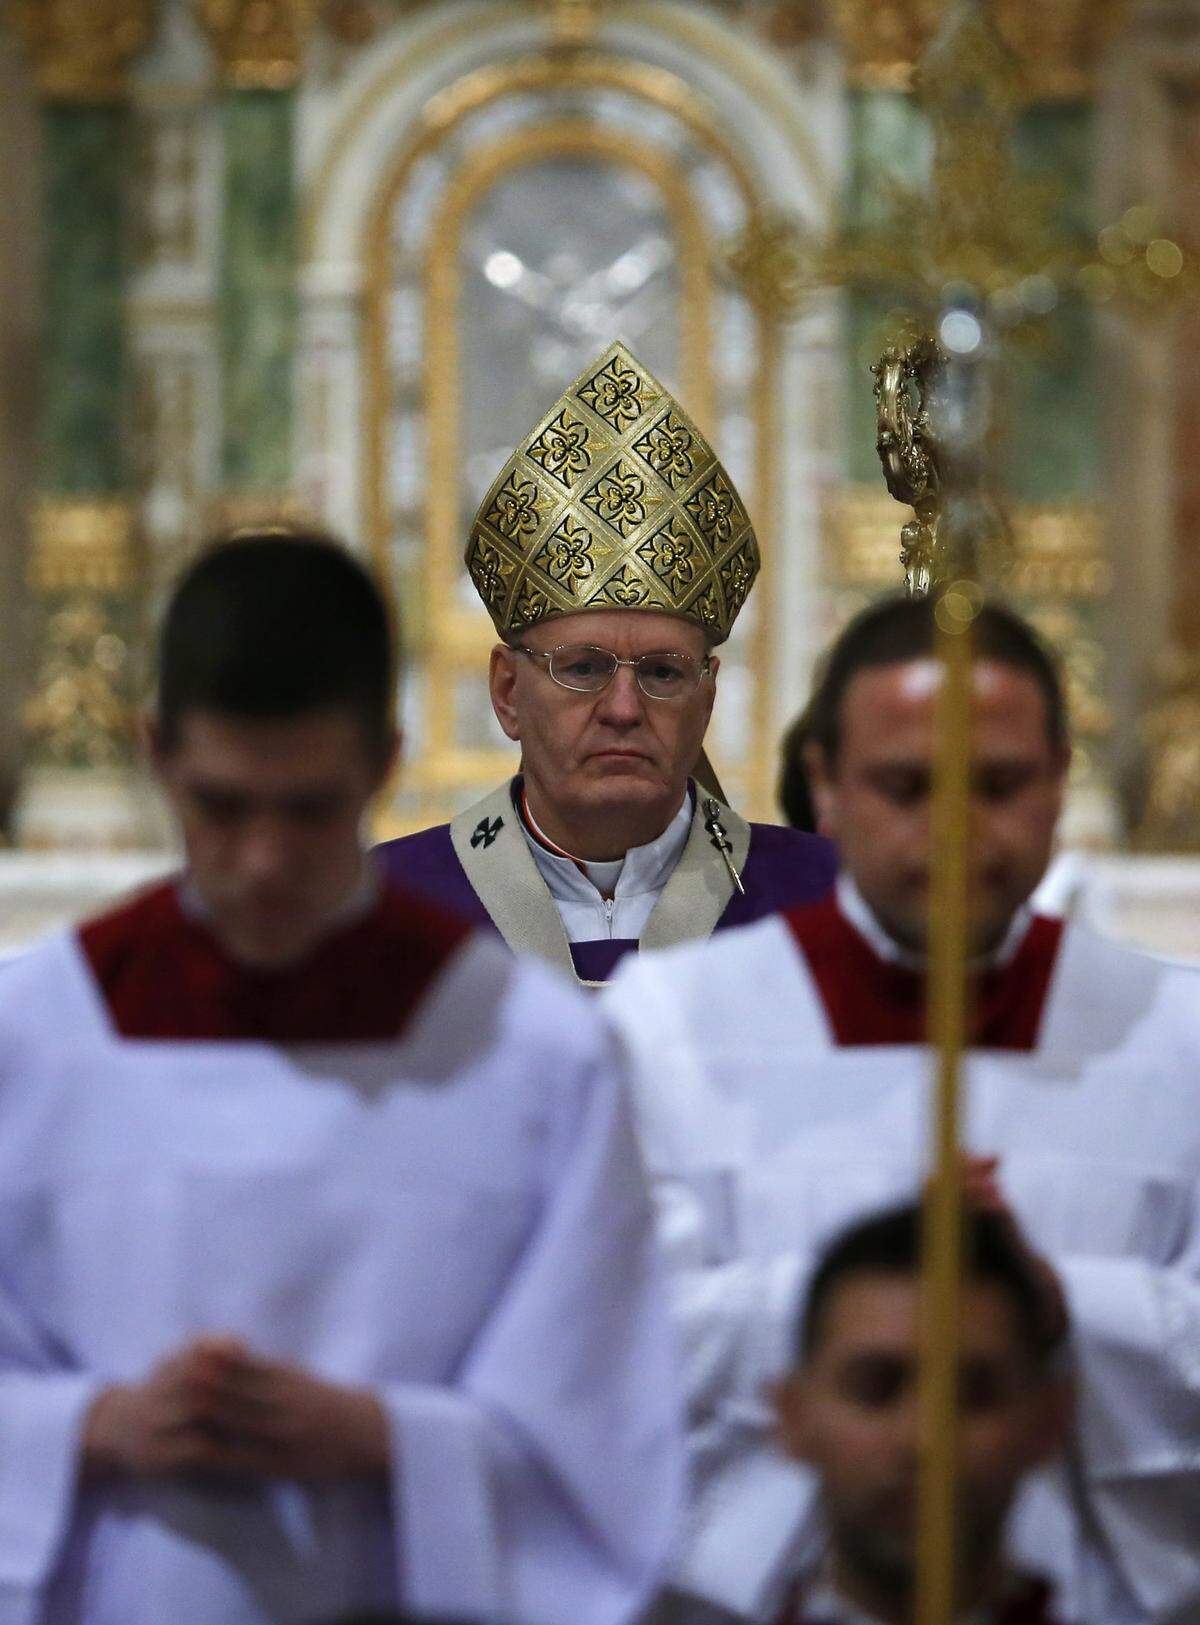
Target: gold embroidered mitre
615, 501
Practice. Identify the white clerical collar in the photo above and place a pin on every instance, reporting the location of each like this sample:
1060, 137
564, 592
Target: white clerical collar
857, 911
644, 870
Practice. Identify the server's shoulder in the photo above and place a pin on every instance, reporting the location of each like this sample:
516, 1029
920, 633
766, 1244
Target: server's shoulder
518, 1007
707, 976
1140, 986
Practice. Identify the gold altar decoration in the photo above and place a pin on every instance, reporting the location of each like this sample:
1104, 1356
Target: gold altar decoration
77, 715
1169, 820
232, 512
82, 561
573, 23
82, 49
1057, 549
259, 43
614, 501
1056, 43
82, 544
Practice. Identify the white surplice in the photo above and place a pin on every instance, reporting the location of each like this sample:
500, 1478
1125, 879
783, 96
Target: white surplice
457, 1219
764, 1139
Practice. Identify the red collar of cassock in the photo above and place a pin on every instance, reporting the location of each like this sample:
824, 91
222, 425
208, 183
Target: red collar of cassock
164, 975
871, 1001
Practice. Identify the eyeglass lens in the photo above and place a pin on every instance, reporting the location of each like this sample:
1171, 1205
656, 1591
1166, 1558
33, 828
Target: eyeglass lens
661, 676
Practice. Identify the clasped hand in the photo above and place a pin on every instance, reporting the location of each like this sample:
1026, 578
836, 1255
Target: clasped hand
214, 1408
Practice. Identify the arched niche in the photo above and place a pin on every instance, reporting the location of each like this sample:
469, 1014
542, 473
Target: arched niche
482, 214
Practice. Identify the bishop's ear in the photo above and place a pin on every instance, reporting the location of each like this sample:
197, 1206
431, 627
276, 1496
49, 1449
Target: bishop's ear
502, 684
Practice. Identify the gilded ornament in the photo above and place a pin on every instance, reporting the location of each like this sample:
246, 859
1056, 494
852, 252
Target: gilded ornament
82, 49
82, 543
1057, 43
573, 23
614, 500
77, 715
260, 44
904, 376
1170, 818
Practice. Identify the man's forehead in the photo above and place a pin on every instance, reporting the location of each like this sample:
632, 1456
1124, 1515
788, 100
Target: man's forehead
626, 631
879, 1312
904, 692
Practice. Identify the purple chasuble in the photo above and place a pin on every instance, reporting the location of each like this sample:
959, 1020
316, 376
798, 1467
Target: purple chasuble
784, 869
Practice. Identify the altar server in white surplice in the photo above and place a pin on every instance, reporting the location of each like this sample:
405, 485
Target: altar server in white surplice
327, 1276
782, 1092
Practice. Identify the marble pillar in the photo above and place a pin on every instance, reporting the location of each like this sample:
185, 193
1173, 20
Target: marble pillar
259, 47
80, 785
257, 293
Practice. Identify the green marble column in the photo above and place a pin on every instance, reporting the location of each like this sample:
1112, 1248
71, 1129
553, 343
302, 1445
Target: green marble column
84, 361
1055, 425
889, 147
257, 293
78, 787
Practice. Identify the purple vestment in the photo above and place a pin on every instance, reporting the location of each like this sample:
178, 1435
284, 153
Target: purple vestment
784, 868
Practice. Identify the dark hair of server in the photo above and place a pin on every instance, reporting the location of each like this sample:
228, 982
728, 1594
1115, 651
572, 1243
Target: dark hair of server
897, 630
271, 625
889, 1243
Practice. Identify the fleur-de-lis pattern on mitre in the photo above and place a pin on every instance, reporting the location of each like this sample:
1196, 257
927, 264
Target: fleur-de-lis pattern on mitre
627, 590
670, 553
570, 554
737, 577
622, 498
515, 511
668, 450
717, 511
615, 498
618, 393
562, 449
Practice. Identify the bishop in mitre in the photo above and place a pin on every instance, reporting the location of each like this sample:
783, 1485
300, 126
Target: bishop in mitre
614, 555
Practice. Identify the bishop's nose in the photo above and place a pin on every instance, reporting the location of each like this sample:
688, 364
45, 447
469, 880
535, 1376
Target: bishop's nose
622, 703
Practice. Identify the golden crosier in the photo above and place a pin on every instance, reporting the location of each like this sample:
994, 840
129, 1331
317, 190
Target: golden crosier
82, 49
1057, 42
259, 43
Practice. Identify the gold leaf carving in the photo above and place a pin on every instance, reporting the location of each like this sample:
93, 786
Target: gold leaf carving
1058, 42
260, 43
82, 49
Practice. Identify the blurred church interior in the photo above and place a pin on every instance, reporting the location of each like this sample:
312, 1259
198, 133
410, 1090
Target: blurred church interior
283, 258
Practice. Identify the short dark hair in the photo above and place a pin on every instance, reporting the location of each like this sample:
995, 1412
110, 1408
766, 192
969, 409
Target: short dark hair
795, 790
889, 1243
898, 629
271, 625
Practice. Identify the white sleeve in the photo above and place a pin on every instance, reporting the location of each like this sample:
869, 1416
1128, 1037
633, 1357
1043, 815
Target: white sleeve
733, 1316
547, 1485
42, 1410
1136, 1332
732, 1312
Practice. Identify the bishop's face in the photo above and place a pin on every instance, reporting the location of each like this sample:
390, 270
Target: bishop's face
608, 767
874, 797
270, 814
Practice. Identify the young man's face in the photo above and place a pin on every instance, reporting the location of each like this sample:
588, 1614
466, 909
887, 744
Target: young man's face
851, 1413
270, 815
616, 750
873, 798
